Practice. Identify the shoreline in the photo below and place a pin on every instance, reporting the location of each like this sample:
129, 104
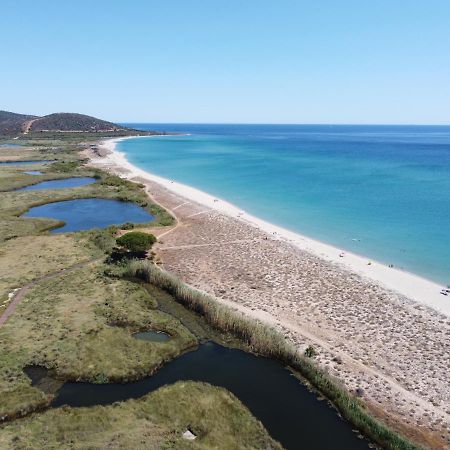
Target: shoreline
410, 285
366, 336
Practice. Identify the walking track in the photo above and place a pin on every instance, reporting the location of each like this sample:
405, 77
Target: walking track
20, 294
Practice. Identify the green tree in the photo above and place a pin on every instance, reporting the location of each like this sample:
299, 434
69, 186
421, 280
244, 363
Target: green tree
136, 241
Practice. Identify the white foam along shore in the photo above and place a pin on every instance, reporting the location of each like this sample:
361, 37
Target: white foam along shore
408, 284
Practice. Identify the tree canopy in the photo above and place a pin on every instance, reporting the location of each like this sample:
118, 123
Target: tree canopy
136, 241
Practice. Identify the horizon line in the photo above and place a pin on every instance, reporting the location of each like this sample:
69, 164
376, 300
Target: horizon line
290, 123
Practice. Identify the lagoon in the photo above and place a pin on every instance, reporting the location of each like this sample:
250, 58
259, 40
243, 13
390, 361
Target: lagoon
88, 213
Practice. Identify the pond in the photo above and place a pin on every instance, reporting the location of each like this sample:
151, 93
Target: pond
21, 163
60, 184
152, 336
88, 213
291, 413
33, 172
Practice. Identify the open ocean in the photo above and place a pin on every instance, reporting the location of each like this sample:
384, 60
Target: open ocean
379, 191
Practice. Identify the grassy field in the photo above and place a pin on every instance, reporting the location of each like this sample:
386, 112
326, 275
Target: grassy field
155, 421
23, 259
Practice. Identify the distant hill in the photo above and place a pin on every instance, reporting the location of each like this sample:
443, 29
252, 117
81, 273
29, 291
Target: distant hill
72, 122
14, 124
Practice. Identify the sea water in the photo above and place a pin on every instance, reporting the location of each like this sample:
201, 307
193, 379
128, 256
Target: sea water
379, 191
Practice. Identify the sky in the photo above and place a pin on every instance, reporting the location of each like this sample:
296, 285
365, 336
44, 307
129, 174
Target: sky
228, 61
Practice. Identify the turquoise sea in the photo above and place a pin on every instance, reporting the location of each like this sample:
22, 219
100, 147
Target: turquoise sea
379, 191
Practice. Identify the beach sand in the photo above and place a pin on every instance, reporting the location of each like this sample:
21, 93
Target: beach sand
377, 329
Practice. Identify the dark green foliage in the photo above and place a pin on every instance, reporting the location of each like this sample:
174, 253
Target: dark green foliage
64, 166
127, 226
136, 241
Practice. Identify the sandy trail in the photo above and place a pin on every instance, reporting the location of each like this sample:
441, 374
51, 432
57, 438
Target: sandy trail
27, 126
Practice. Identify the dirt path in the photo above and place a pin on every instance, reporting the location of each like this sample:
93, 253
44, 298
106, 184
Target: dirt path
210, 244
20, 294
27, 126
178, 222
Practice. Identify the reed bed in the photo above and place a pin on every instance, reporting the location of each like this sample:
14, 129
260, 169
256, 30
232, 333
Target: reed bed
266, 341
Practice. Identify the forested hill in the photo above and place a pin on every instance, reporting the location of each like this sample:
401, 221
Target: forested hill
16, 124
11, 123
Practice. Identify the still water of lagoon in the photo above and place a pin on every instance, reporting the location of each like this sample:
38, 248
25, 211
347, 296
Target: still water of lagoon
88, 213
290, 412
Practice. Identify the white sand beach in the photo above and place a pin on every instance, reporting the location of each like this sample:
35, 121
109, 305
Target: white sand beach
408, 284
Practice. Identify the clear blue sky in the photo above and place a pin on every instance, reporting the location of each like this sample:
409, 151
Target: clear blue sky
255, 61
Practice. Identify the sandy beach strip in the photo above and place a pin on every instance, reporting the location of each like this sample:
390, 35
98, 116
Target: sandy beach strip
387, 347
408, 284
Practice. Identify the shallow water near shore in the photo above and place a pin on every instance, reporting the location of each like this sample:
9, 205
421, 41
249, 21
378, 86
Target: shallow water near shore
292, 414
379, 191
88, 213
60, 184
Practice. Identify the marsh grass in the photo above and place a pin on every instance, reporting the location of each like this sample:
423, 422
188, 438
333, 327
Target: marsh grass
266, 341
80, 324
